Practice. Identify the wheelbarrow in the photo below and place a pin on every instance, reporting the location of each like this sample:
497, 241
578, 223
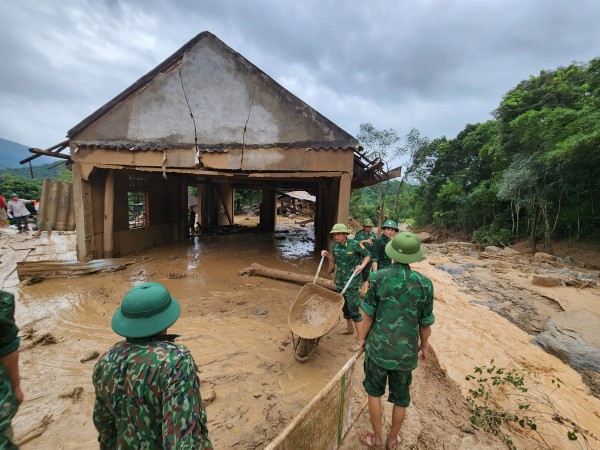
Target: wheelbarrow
314, 313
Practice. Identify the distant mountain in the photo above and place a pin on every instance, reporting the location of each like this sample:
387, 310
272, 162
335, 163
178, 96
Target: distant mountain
12, 152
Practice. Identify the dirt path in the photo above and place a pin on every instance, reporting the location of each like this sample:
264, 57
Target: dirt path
236, 328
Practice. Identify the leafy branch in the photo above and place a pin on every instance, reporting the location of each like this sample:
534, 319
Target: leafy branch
507, 402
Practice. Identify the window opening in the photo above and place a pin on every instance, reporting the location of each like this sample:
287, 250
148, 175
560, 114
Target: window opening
137, 202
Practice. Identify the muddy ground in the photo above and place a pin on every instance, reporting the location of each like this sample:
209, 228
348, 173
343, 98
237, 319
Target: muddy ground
236, 328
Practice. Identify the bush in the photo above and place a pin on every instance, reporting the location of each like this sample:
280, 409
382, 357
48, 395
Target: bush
492, 235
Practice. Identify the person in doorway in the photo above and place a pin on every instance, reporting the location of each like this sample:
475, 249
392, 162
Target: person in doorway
397, 318
3, 215
366, 236
10, 388
349, 256
19, 211
379, 257
147, 387
192, 220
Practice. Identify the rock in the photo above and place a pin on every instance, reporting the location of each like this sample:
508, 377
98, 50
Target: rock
90, 356
424, 237
546, 280
580, 349
257, 395
492, 249
212, 395
544, 256
498, 265
260, 312
468, 245
443, 250
451, 269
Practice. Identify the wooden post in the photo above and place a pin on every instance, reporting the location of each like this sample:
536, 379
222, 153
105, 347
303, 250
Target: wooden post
82, 199
109, 208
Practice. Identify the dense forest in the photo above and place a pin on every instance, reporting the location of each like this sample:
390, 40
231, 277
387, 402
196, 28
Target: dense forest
532, 171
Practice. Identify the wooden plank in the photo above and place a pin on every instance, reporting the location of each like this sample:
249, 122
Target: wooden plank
54, 269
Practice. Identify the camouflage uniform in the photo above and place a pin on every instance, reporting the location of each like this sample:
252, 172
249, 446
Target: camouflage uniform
148, 396
9, 343
399, 300
379, 255
361, 235
347, 256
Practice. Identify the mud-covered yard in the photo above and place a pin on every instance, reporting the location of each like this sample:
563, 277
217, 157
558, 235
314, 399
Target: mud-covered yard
236, 328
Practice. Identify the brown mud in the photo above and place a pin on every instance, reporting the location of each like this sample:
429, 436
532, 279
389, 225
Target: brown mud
237, 330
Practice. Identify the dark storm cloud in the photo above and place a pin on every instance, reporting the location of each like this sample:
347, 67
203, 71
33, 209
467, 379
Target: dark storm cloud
433, 64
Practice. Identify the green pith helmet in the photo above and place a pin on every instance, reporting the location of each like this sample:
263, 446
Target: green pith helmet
146, 310
390, 224
404, 248
340, 228
367, 223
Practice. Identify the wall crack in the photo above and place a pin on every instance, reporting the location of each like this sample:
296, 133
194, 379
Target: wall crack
197, 156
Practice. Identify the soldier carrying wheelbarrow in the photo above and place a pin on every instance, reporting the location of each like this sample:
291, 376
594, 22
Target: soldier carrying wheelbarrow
350, 258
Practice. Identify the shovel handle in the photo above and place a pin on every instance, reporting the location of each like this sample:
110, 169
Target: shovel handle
319, 269
354, 272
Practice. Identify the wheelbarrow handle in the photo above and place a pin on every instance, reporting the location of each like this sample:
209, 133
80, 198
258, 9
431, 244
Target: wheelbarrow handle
319, 269
354, 272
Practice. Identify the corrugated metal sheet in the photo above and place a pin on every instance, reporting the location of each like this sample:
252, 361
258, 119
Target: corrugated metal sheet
301, 195
57, 209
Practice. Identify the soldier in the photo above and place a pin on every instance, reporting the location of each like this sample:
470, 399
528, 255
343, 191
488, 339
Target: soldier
348, 256
366, 236
397, 312
147, 387
10, 386
379, 257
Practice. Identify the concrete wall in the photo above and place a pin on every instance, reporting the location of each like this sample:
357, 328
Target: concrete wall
214, 97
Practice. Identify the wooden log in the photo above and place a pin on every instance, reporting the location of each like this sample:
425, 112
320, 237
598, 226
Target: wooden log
57, 269
262, 271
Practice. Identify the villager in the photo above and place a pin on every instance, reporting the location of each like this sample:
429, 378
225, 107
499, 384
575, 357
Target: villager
3, 215
10, 387
366, 236
192, 220
379, 257
19, 211
348, 256
147, 387
397, 312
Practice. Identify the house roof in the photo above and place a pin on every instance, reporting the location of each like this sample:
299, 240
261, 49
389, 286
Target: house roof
209, 97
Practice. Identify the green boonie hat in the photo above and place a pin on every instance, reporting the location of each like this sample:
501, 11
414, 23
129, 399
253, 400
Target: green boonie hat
390, 224
146, 310
340, 228
13, 195
367, 223
404, 248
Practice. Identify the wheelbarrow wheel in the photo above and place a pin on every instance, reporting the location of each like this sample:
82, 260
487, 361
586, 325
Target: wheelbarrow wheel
305, 348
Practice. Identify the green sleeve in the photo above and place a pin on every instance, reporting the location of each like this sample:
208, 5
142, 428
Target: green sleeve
104, 420
371, 302
427, 318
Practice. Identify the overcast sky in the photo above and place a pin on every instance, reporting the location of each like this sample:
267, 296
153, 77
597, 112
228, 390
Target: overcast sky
435, 65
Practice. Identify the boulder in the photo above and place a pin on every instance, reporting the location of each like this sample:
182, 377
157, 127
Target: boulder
451, 269
492, 249
424, 236
572, 336
544, 256
546, 280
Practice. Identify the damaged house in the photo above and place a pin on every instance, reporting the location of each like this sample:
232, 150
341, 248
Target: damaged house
205, 117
